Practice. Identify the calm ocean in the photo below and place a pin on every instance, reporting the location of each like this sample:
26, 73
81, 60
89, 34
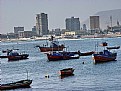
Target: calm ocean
87, 76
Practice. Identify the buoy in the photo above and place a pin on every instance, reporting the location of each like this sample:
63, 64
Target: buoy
47, 76
82, 62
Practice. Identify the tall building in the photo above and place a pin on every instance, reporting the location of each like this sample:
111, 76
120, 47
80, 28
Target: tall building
17, 29
94, 23
42, 24
72, 24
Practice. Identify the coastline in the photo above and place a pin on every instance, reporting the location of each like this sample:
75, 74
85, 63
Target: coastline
62, 38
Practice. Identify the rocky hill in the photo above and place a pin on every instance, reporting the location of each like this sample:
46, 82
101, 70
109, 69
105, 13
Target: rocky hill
105, 18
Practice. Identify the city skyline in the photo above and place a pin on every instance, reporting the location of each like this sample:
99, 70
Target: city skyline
23, 12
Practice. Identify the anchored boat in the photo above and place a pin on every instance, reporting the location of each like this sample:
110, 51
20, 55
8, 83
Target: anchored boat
14, 85
105, 55
66, 72
54, 46
55, 56
14, 55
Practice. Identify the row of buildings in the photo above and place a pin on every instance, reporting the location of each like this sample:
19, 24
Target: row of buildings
72, 28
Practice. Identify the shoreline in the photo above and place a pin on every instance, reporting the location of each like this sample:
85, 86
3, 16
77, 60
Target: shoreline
62, 38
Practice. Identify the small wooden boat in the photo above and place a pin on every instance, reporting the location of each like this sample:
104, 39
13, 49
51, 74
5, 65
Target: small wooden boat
54, 46
115, 47
14, 85
86, 53
4, 51
55, 56
66, 72
3, 56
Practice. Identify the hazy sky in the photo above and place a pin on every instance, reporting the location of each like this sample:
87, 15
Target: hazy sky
23, 12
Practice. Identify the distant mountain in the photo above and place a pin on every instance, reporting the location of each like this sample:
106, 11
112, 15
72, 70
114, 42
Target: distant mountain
105, 18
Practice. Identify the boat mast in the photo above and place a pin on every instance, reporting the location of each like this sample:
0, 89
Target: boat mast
96, 46
27, 73
52, 42
46, 41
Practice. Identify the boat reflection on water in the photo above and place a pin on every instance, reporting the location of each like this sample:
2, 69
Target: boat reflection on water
65, 76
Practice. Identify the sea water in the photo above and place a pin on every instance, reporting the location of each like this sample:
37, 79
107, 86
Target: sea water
87, 76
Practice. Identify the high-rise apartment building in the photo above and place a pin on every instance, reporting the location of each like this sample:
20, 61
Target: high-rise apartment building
94, 23
42, 24
72, 24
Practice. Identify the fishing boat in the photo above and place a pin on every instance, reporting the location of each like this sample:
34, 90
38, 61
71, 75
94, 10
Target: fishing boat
104, 56
17, 57
55, 56
66, 72
13, 55
14, 85
70, 53
86, 53
54, 46
4, 51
